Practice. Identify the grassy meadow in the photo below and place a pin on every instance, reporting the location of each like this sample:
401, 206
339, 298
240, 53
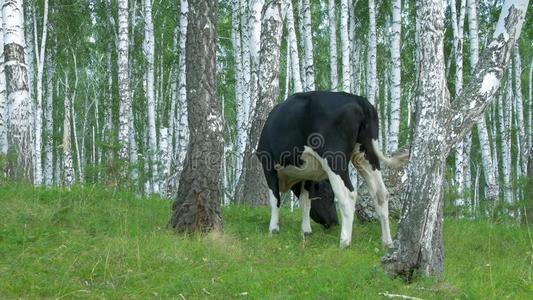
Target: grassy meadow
94, 243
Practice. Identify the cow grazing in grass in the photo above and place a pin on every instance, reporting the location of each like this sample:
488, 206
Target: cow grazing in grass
323, 210
314, 136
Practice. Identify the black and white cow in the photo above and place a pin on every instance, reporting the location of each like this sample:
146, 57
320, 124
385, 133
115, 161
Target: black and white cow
314, 136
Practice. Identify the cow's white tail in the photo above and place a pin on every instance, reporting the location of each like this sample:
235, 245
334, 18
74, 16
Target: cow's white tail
394, 161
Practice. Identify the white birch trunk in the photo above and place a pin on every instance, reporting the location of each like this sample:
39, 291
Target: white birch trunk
345, 42
68, 164
334, 79
495, 161
123, 80
19, 131
395, 89
241, 104
371, 77
4, 117
38, 177
354, 49
505, 112
48, 125
246, 68
308, 47
491, 184
293, 49
164, 157
148, 47
182, 140
460, 159
530, 105
254, 23
521, 125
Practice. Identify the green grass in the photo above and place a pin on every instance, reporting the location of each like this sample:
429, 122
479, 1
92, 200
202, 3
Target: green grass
93, 243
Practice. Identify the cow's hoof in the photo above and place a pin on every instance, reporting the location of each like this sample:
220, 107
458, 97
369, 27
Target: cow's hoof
274, 231
344, 244
306, 233
387, 246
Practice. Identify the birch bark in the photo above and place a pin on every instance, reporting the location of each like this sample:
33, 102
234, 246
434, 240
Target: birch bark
19, 130
334, 80
148, 47
438, 127
395, 89
308, 47
371, 77
492, 187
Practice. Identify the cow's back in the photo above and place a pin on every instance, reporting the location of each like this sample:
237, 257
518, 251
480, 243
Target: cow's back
326, 121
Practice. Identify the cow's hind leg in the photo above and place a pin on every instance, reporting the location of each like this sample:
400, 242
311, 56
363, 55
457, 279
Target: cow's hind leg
379, 195
274, 199
305, 202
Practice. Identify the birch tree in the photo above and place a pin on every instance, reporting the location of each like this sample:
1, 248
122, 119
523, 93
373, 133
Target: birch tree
395, 89
492, 187
438, 126
522, 141
197, 205
505, 115
19, 105
48, 124
252, 184
254, 27
123, 80
148, 47
293, 49
68, 164
40, 53
242, 105
308, 46
183, 126
461, 162
345, 42
334, 81
371, 77
4, 118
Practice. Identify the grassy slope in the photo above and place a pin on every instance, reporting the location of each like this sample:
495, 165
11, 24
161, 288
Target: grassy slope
91, 243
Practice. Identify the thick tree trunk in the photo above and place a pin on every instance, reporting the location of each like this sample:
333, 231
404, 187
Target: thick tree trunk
19, 131
252, 184
395, 88
334, 79
197, 206
438, 127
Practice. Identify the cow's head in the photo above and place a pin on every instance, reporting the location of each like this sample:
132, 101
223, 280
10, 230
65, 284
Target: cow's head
323, 209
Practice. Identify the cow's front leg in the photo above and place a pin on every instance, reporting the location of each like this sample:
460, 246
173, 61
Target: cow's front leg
274, 214
305, 203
